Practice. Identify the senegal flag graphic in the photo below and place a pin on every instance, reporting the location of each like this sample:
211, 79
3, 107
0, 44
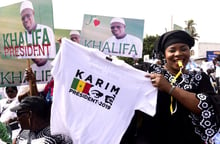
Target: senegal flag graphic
81, 86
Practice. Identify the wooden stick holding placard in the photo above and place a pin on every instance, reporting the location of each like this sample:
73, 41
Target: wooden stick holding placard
30, 80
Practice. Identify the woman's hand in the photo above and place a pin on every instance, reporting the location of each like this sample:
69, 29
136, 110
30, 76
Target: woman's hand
188, 99
159, 81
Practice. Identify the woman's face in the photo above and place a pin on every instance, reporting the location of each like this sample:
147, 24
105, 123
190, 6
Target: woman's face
174, 53
11, 92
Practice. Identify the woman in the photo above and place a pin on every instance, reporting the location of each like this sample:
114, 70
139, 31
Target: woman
184, 113
11, 93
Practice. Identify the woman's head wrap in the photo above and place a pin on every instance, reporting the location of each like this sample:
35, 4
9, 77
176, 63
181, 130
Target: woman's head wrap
172, 37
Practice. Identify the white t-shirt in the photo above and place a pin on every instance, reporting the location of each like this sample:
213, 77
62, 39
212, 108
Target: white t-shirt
129, 46
5, 106
34, 141
94, 98
8, 114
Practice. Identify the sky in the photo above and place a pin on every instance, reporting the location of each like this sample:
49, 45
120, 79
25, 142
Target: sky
157, 14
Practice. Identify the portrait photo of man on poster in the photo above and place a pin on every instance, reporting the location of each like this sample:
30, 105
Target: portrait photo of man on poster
114, 36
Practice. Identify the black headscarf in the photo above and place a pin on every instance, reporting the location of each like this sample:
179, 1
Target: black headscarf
172, 37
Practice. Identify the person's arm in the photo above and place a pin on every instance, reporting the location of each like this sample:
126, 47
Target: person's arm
188, 99
31, 76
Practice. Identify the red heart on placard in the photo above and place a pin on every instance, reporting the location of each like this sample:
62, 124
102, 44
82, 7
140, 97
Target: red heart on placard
96, 22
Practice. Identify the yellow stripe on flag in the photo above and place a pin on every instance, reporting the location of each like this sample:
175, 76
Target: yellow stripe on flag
80, 86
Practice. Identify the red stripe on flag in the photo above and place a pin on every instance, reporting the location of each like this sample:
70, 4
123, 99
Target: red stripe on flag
86, 88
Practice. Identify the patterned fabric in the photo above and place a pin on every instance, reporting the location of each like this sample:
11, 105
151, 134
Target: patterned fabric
205, 124
45, 133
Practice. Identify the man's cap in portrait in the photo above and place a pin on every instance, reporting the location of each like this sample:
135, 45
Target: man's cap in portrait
74, 32
172, 37
119, 20
26, 4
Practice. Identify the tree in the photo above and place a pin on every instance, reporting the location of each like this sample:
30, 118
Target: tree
190, 28
149, 43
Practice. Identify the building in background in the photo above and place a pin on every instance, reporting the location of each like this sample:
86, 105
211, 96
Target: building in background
204, 47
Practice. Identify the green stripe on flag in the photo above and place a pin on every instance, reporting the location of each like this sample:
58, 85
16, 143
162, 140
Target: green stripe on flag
75, 83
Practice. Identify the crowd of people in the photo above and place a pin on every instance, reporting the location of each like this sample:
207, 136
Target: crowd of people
185, 111
211, 68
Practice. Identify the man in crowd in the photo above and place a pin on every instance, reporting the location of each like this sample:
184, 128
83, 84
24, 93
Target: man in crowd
33, 114
75, 36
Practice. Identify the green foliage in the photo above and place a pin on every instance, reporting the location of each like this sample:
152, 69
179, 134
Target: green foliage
190, 28
4, 136
128, 60
149, 43
148, 46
